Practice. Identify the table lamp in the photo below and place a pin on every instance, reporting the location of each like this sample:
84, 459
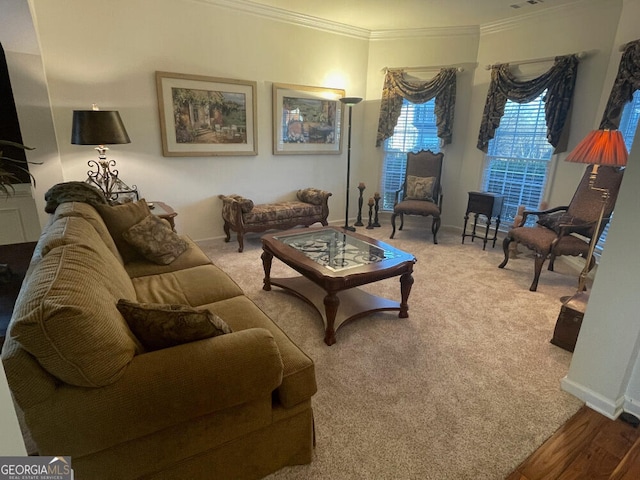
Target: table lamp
100, 128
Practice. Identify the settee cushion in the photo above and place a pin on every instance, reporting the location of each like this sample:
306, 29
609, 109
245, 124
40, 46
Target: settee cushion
160, 326
155, 240
284, 212
68, 320
118, 219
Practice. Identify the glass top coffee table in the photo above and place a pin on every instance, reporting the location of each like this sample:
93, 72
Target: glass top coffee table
333, 262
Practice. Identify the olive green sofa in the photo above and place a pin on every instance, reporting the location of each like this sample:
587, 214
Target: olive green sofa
233, 406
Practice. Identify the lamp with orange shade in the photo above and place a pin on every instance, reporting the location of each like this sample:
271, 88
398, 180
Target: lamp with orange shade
599, 147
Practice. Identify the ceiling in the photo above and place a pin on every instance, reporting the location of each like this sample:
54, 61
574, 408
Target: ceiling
375, 15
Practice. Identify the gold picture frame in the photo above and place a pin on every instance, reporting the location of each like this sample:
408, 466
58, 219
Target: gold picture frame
307, 120
202, 116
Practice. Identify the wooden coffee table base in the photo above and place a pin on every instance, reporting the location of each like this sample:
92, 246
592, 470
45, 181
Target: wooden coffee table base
341, 307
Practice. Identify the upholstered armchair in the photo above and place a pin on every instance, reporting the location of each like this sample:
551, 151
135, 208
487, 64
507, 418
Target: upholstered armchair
567, 230
421, 192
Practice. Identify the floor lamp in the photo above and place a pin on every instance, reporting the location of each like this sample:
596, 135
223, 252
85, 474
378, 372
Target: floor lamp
600, 147
350, 102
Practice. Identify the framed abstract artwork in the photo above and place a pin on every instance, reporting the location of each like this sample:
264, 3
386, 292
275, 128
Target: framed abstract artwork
306, 120
201, 116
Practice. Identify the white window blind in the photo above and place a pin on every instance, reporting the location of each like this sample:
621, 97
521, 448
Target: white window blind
517, 161
416, 130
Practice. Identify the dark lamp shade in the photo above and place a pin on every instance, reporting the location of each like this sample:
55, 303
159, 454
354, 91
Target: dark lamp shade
98, 127
350, 101
601, 147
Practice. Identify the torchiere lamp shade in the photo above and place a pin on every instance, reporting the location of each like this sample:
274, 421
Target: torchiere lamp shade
601, 147
98, 127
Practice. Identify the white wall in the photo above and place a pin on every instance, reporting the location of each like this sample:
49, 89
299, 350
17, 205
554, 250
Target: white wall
108, 56
417, 49
605, 370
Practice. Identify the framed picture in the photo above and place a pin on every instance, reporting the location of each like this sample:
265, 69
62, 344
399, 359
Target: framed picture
306, 120
202, 116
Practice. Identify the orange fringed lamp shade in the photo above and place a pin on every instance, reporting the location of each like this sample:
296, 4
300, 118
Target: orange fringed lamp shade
601, 147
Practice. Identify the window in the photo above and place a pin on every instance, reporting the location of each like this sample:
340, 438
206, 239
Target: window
629, 119
416, 130
628, 125
518, 158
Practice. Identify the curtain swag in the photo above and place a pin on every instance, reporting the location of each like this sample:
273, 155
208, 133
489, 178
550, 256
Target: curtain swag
627, 81
396, 87
559, 81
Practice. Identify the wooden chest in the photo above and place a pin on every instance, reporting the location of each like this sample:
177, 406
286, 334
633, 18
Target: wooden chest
569, 321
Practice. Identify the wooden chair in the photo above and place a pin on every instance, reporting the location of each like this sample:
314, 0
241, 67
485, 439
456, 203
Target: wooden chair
567, 230
421, 192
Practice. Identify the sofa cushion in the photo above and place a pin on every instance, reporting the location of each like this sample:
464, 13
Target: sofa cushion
154, 239
118, 219
67, 317
159, 326
92, 217
299, 381
192, 257
194, 286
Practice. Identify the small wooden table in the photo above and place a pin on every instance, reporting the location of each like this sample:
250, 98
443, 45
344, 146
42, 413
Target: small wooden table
162, 210
332, 262
487, 204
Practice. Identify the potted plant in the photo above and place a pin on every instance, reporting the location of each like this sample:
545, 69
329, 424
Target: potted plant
7, 178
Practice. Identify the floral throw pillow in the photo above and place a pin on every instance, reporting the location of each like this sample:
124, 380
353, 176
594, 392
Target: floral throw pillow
311, 195
159, 326
246, 205
420, 188
155, 240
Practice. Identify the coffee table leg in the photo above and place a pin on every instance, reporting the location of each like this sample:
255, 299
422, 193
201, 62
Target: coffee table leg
331, 304
406, 281
267, 258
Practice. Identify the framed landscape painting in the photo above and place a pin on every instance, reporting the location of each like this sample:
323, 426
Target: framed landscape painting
202, 116
306, 120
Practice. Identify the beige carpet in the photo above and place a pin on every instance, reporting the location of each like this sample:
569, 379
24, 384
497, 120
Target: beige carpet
465, 388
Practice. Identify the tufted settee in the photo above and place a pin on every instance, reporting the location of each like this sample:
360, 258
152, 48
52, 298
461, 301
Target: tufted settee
242, 216
232, 406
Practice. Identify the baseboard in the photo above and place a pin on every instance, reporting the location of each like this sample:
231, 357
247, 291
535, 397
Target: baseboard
607, 407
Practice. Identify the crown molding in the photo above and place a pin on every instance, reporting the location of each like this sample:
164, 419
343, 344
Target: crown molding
515, 22
287, 16
424, 32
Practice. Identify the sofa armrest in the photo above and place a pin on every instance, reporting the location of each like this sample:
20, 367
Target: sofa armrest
160, 389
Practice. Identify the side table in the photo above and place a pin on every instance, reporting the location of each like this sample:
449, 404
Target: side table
487, 204
162, 210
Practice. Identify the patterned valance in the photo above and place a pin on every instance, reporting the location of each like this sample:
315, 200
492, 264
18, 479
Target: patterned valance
559, 81
627, 81
396, 87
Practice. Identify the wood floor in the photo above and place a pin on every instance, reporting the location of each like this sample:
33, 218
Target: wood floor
588, 446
